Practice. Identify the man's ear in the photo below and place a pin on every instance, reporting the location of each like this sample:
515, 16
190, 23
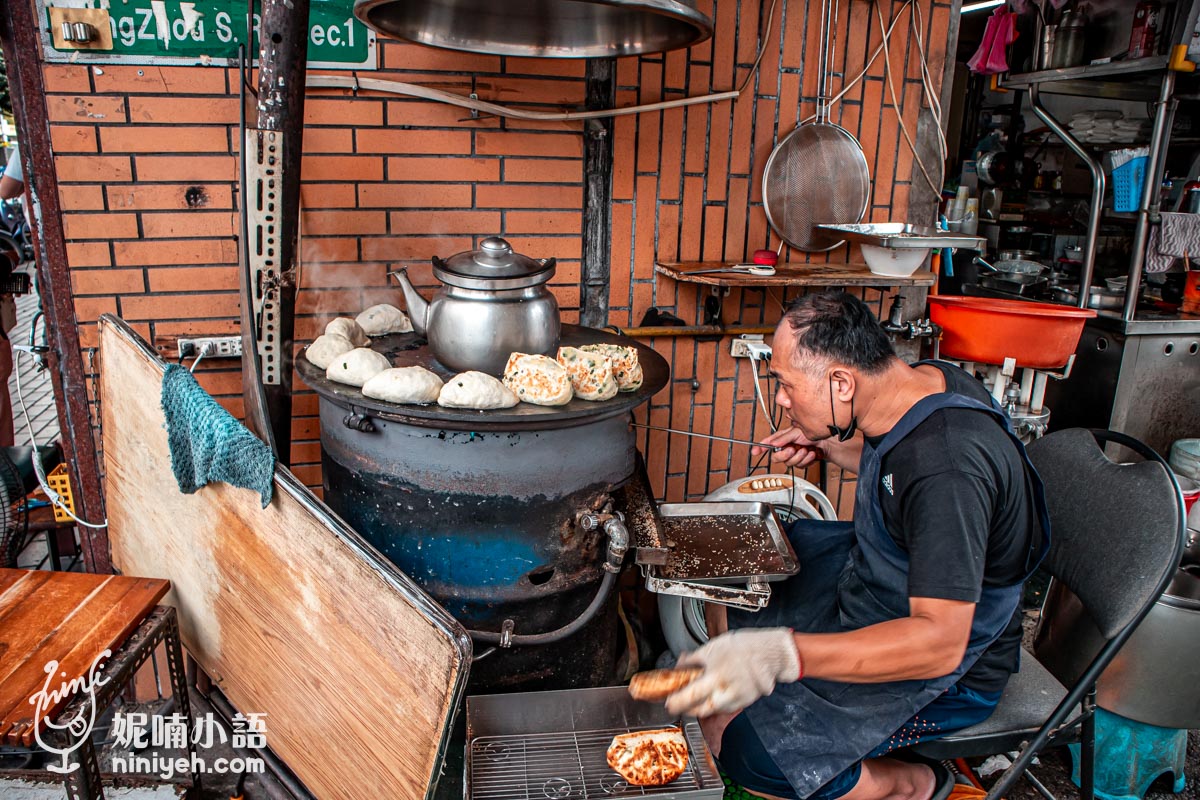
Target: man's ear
843, 383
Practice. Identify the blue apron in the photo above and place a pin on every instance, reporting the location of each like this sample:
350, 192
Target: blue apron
854, 575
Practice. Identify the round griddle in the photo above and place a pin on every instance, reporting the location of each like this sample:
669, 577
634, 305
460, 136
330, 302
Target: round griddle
411, 350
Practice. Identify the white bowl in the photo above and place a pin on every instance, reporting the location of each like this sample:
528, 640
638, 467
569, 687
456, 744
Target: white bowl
894, 262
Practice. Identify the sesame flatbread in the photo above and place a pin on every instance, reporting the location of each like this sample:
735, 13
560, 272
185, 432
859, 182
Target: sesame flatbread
626, 368
649, 758
656, 685
537, 379
591, 374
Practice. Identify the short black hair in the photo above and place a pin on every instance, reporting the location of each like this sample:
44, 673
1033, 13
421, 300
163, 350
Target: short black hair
839, 326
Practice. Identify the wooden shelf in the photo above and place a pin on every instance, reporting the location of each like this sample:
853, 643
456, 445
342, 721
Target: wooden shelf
790, 275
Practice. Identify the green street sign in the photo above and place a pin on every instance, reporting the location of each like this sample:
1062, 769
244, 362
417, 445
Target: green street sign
207, 32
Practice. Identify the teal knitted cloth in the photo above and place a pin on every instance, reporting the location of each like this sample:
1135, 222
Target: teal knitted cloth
208, 443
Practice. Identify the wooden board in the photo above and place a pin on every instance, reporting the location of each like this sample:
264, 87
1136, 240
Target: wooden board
288, 609
66, 617
790, 275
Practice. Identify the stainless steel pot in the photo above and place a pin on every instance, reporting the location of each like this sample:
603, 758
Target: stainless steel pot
494, 302
1098, 298
1018, 255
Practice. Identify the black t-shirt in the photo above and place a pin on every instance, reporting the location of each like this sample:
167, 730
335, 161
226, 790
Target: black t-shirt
957, 498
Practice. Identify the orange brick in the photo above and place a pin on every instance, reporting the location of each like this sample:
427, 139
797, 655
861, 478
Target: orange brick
179, 306
526, 196
88, 254
153, 197
306, 452
337, 276
81, 198
557, 67
524, 91
204, 327
73, 138
90, 108
348, 111
422, 114
344, 223
317, 249
175, 253
543, 170
400, 55
107, 281
180, 110
543, 222
186, 168
500, 143
100, 226
410, 248
89, 309
193, 279
66, 78
330, 302
89, 169
342, 168
235, 405
306, 428
482, 223
199, 224
409, 195
328, 140
160, 139
220, 381
387, 140
116, 79
568, 247
309, 476
435, 169
328, 195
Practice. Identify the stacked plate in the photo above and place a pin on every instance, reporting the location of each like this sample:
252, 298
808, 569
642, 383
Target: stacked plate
1108, 127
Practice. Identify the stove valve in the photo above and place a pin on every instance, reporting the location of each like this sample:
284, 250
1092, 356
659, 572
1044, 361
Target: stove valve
613, 525
913, 329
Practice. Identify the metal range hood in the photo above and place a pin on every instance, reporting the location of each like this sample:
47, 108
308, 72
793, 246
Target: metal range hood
541, 28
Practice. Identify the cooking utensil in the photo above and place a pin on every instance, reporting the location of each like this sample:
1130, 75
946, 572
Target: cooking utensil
772, 448
494, 302
818, 173
1018, 255
1098, 297
761, 270
1016, 267
987, 330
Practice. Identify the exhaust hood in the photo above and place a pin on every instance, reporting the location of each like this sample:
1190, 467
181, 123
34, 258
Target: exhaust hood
541, 28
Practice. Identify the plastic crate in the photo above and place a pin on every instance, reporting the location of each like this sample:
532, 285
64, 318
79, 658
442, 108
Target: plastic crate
1127, 184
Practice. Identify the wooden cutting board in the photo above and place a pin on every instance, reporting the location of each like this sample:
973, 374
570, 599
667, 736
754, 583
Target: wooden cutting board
292, 614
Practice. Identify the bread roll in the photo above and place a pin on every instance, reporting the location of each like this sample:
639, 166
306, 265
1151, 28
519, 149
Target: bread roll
404, 385
656, 685
626, 368
383, 319
344, 326
591, 374
537, 379
326, 347
357, 367
649, 758
476, 390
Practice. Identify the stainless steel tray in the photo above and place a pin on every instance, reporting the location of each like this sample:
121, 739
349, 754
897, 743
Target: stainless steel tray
902, 235
552, 746
726, 542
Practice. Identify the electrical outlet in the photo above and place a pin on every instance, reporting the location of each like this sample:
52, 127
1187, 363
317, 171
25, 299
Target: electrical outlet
218, 347
740, 346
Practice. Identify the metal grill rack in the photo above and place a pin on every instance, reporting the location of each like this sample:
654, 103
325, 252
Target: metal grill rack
572, 765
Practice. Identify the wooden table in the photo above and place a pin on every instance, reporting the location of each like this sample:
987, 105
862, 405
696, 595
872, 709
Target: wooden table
790, 275
72, 618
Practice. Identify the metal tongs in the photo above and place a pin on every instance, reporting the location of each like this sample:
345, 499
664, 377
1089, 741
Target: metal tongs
761, 270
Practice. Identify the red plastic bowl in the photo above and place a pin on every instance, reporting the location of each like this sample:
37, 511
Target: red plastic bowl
987, 330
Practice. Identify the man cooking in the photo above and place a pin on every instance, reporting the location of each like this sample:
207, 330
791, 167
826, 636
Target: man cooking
902, 625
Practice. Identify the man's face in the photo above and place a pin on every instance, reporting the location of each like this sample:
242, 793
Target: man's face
803, 394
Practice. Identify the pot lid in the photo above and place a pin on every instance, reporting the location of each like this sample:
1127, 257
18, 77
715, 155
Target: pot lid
494, 260
541, 28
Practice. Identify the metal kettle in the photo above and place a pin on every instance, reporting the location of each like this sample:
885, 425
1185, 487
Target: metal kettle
493, 302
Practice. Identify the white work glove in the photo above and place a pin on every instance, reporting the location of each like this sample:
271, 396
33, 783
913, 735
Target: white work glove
739, 667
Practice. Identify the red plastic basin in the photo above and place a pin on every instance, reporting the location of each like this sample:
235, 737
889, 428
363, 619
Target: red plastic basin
987, 330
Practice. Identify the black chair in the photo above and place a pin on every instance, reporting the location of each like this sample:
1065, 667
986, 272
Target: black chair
1117, 536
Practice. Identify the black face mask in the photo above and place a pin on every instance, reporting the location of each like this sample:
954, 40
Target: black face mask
842, 434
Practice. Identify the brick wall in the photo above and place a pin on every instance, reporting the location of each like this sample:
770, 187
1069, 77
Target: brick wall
146, 160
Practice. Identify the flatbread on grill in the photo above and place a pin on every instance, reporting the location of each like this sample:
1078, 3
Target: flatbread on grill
357, 367
476, 390
344, 326
649, 758
659, 684
326, 347
626, 368
591, 374
383, 319
404, 385
537, 379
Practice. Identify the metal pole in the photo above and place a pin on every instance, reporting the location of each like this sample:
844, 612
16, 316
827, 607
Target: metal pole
19, 37
1164, 116
1089, 249
283, 59
597, 200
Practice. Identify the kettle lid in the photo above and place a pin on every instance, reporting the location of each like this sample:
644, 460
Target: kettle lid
494, 259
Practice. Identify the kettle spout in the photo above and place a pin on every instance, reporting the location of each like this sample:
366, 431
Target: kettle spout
418, 306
